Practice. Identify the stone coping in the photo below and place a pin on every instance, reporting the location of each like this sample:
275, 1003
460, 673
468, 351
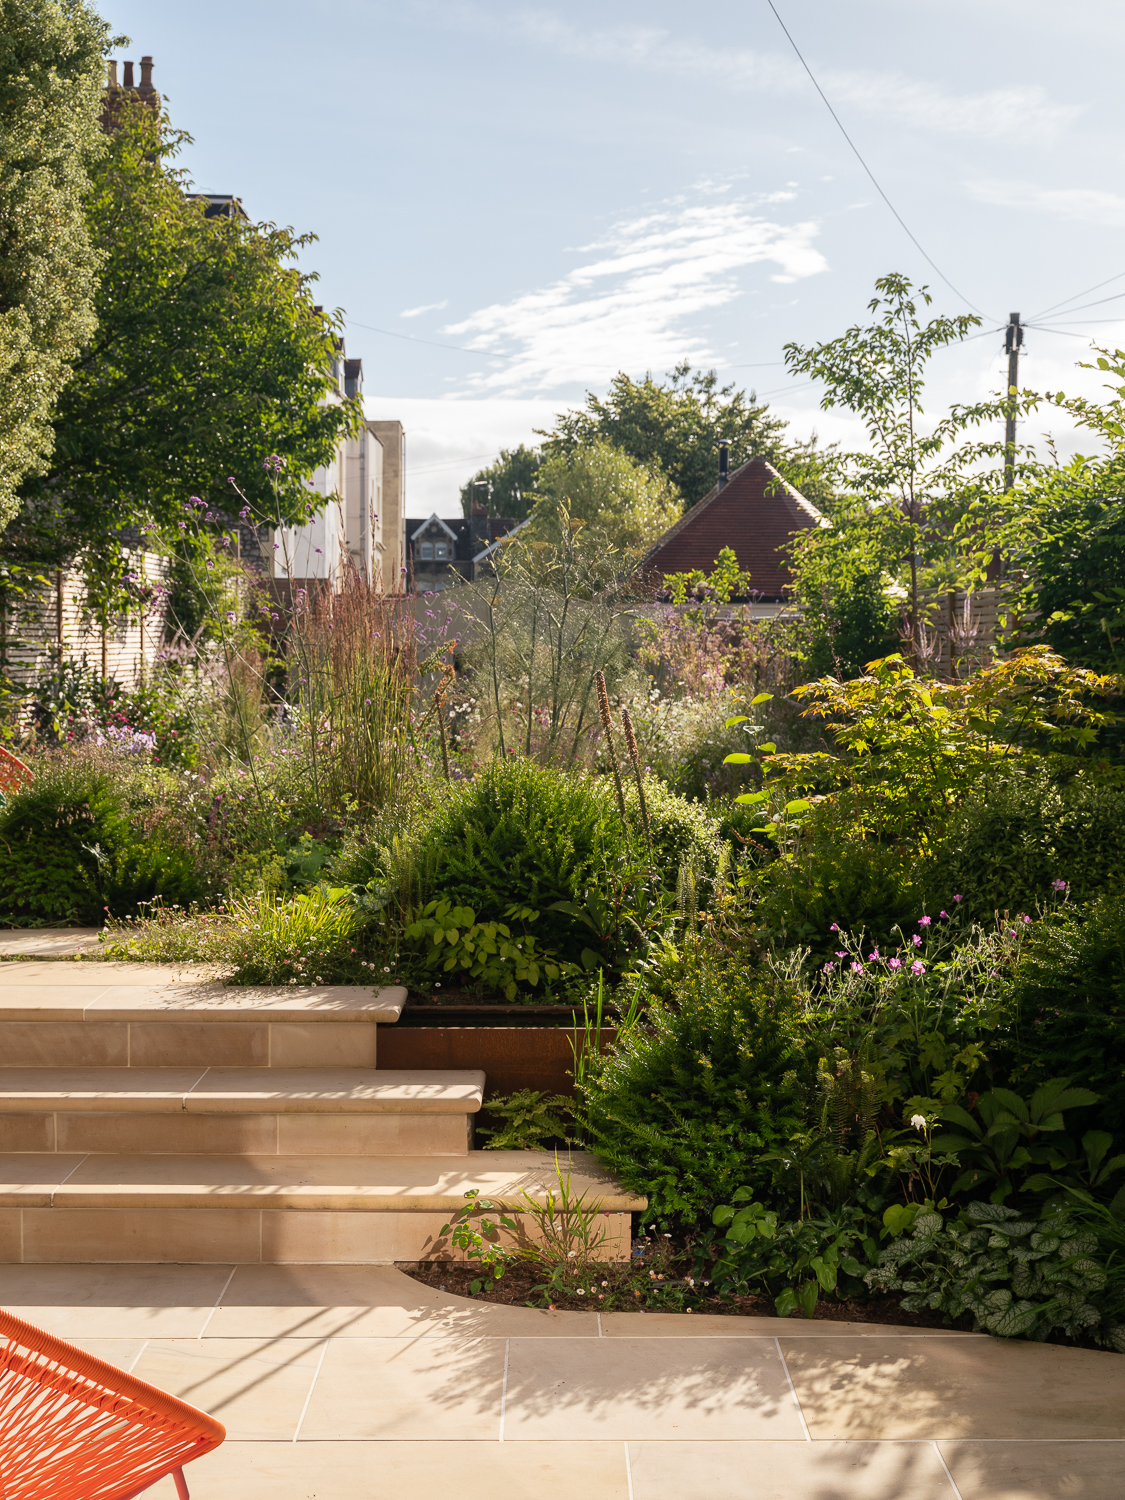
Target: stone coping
56, 996
212, 1091
405, 1184
47, 942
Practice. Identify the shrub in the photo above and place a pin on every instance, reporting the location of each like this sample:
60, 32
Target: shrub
1068, 1005
91, 836
1020, 832
529, 835
836, 874
681, 1107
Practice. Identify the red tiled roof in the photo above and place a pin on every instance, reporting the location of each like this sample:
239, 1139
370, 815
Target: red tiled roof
755, 514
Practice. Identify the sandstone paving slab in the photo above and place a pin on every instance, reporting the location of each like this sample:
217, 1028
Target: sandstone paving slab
44, 1002
403, 1388
720, 1325
150, 1090
1059, 1470
257, 1388
156, 1001
80, 1303
336, 1090
46, 942
30, 1179
949, 1388
406, 1471
578, 1389
371, 1301
96, 974
773, 1470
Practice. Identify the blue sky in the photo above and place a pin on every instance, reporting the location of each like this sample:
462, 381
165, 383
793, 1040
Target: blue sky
563, 191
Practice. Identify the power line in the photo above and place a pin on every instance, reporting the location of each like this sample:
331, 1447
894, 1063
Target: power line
430, 343
1086, 293
866, 168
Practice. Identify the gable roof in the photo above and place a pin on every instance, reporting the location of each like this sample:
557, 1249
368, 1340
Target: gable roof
755, 514
425, 526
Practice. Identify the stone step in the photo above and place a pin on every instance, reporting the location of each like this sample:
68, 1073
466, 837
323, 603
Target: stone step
67, 1015
279, 1209
238, 1111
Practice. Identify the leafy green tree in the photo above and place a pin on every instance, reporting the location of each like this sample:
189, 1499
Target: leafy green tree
912, 499
507, 484
51, 76
209, 357
677, 424
621, 502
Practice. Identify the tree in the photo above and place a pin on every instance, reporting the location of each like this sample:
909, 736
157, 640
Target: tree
623, 504
209, 357
51, 76
910, 497
677, 425
508, 483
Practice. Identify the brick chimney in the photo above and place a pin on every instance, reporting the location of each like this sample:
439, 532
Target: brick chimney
128, 75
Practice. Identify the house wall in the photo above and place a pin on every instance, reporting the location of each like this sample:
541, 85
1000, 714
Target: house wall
392, 437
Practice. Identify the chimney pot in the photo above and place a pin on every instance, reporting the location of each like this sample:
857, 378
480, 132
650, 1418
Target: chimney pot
112, 73
128, 74
146, 72
724, 462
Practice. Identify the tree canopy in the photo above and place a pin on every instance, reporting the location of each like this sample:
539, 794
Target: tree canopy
677, 424
509, 483
209, 356
51, 75
623, 504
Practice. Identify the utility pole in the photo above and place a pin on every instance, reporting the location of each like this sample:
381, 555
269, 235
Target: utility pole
1013, 342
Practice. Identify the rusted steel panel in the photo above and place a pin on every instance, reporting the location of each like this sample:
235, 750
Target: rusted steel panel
516, 1057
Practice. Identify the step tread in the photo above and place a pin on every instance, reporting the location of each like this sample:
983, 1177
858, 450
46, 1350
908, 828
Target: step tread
241, 1090
197, 1000
413, 1184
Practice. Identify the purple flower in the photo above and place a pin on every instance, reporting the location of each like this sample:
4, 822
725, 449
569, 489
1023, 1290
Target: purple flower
917, 967
244, 512
834, 928
943, 914
958, 898
857, 968
873, 956
916, 940
894, 963
1058, 885
828, 967
182, 525
840, 953
924, 921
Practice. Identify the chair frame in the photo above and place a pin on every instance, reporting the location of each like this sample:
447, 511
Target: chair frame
73, 1427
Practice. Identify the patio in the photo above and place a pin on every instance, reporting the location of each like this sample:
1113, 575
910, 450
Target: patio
351, 1382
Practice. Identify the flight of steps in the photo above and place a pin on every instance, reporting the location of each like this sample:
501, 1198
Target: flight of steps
150, 1114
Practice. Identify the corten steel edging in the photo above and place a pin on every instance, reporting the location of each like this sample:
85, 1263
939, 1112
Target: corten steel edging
512, 1057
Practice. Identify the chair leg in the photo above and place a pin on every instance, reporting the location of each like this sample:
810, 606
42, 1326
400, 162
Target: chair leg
181, 1484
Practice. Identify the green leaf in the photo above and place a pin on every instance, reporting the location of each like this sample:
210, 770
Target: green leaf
752, 799
761, 698
800, 805
738, 719
769, 747
738, 758
786, 1302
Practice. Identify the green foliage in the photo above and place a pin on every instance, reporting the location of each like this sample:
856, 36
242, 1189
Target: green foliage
210, 357
623, 504
676, 426
487, 955
1020, 832
51, 77
1010, 1135
530, 1120
1016, 1276
678, 1108
1068, 1004
475, 1236
724, 582
508, 484
793, 1261
831, 872
88, 837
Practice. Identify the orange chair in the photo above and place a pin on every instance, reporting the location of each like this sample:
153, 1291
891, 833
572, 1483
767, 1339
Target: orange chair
13, 773
74, 1428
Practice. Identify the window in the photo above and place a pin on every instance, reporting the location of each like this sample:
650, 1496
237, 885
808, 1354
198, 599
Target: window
441, 551
426, 551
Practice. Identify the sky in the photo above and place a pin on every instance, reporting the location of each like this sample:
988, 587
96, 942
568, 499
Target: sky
514, 202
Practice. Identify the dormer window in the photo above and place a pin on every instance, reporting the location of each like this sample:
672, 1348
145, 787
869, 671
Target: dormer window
427, 551
441, 551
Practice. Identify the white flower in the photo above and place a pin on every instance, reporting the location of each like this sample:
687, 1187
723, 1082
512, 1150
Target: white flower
918, 1122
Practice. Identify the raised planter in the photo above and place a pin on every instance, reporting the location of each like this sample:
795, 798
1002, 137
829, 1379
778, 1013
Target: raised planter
512, 1057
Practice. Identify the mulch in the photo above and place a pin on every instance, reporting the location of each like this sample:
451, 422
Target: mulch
517, 1289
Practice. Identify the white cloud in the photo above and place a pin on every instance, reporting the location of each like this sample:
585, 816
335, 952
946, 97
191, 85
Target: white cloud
1018, 114
416, 312
448, 440
1087, 205
624, 309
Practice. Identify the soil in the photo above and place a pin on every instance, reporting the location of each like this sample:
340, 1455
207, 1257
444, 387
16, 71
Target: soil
516, 1289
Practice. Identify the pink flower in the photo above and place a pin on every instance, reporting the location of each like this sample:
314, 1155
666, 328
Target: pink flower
1058, 885
958, 898
840, 953
857, 968
834, 927
894, 963
916, 940
924, 921
917, 967
873, 955
943, 914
